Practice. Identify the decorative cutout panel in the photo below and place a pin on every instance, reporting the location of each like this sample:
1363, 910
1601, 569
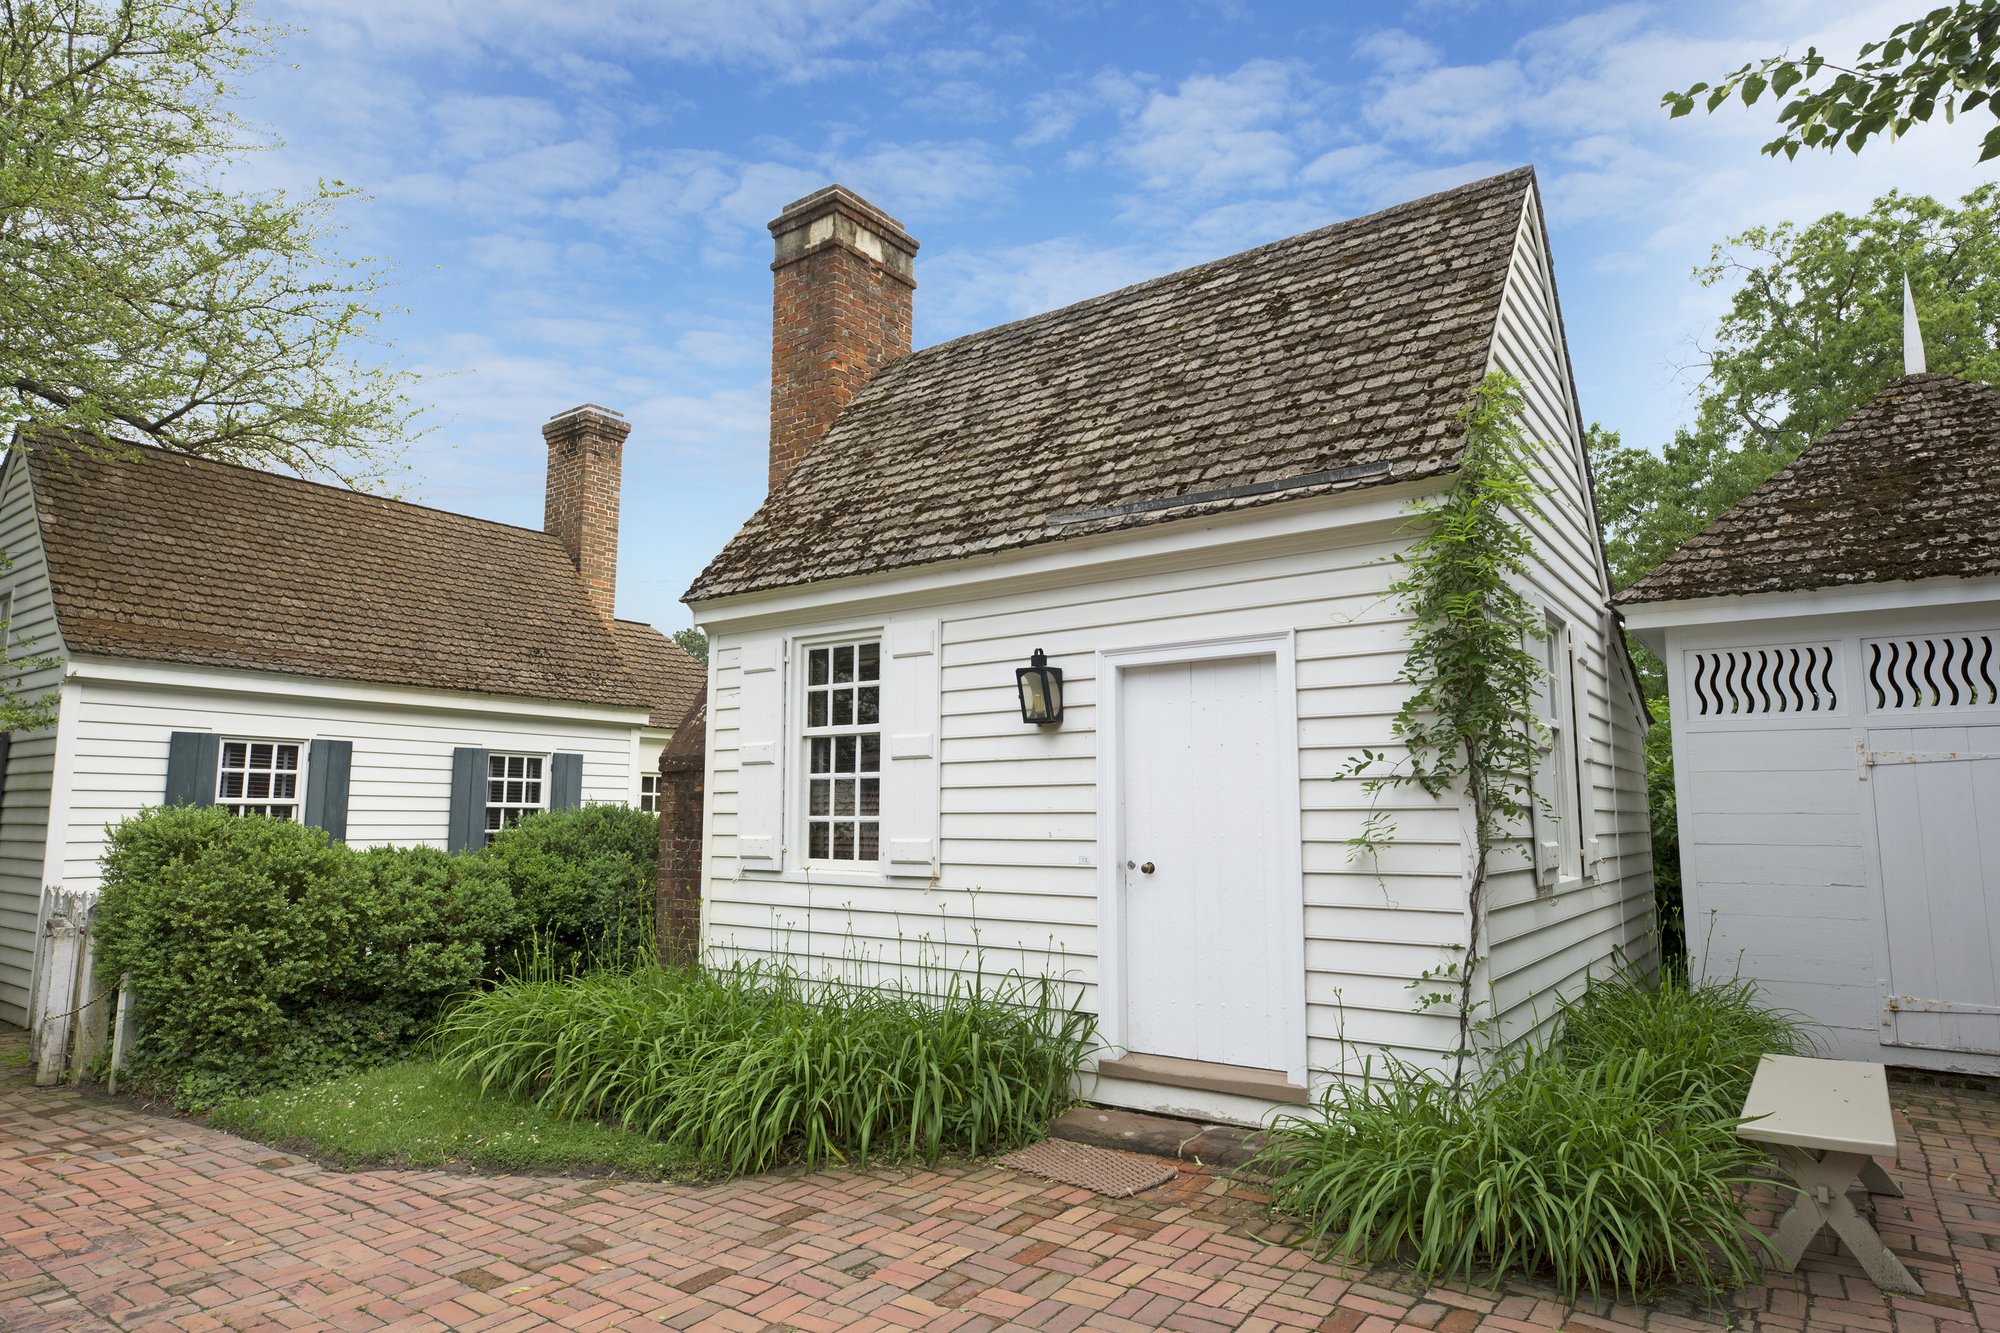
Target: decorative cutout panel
1933, 671
1736, 681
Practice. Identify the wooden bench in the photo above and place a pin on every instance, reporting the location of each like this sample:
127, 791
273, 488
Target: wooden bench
1826, 1121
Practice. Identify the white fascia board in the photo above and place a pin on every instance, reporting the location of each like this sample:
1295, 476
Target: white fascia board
1345, 518
1650, 620
204, 679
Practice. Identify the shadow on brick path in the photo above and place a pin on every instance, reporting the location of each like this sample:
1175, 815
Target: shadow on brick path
111, 1218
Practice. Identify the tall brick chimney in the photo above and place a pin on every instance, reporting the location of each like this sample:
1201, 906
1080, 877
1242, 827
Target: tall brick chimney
586, 456
840, 312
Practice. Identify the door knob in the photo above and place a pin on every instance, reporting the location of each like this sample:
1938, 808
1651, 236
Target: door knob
1146, 869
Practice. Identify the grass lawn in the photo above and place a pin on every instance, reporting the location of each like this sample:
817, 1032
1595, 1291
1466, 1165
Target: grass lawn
414, 1114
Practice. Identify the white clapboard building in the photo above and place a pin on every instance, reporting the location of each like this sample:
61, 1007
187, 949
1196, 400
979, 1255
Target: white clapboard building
1185, 497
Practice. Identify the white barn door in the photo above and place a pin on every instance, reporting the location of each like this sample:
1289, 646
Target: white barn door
1208, 897
1937, 824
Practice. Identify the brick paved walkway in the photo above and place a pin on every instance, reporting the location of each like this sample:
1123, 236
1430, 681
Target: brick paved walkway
113, 1219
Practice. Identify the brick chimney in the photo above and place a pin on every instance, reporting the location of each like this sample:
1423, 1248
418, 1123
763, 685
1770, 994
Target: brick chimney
840, 312
586, 456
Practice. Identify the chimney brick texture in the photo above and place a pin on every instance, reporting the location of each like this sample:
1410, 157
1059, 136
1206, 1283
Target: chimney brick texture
841, 301
586, 458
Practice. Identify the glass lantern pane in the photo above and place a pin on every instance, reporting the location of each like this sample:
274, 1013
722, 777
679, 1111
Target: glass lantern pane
816, 666
843, 708
1034, 703
816, 842
816, 709
870, 664
843, 664
868, 708
871, 843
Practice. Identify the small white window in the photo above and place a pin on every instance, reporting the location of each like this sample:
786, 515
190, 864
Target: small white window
649, 793
259, 778
514, 787
1559, 781
843, 740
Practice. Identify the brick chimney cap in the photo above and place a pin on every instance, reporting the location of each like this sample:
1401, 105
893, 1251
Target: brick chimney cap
839, 199
588, 414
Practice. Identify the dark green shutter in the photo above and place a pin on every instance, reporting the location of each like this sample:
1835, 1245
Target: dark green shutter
467, 829
565, 781
327, 766
192, 757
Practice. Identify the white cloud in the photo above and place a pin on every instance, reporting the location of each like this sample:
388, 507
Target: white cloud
1216, 133
481, 126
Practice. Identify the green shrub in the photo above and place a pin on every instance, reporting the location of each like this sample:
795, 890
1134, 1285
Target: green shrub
745, 1067
581, 882
1609, 1162
262, 955
243, 940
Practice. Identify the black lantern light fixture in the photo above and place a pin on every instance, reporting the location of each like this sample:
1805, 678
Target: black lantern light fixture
1041, 691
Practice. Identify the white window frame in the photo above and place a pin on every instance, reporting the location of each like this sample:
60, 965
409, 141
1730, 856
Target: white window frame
513, 808
649, 793
243, 802
809, 733
1559, 852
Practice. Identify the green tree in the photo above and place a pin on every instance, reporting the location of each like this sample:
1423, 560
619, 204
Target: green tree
147, 298
1813, 330
694, 642
1947, 61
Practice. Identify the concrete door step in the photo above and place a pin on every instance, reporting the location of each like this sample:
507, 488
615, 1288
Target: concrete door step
1158, 1135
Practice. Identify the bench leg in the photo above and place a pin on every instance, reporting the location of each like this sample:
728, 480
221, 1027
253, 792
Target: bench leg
1823, 1182
1876, 1181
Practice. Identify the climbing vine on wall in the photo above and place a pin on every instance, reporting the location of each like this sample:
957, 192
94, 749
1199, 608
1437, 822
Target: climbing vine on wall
1469, 725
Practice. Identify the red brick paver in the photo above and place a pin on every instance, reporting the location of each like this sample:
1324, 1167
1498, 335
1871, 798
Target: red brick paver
114, 1219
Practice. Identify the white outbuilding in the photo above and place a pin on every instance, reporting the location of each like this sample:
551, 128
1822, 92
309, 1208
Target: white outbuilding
1187, 498
1832, 647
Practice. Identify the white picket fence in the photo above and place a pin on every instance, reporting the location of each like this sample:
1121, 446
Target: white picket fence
71, 1014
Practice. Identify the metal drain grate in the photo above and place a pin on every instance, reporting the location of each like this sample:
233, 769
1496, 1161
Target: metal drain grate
1116, 1175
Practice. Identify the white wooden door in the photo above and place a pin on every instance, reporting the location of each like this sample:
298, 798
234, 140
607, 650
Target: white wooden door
1205, 900
1937, 824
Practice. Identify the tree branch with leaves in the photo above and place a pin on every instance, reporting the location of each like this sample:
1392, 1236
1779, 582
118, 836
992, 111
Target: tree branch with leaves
1946, 61
145, 297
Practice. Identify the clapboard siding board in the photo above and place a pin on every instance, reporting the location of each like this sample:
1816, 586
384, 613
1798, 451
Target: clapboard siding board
1021, 810
30, 772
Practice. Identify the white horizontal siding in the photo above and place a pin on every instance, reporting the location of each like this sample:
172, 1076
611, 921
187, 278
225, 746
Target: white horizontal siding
399, 789
1544, 944
24, 806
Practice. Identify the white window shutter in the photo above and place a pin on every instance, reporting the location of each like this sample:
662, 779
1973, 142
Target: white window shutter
910, 705
760, 756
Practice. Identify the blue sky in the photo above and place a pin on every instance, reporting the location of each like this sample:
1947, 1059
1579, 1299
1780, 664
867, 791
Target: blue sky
575, 193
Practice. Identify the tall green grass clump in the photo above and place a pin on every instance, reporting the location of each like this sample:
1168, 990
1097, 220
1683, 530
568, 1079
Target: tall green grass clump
1607, 1162
750, 1065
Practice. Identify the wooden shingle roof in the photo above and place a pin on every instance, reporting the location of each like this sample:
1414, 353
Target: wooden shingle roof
1333, 360
169, 558
1908, 487
668, 678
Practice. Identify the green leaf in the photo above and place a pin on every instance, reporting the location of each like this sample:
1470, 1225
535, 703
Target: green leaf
1753, 88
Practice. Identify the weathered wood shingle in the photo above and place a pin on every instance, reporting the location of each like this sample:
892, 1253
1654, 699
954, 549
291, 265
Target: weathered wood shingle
1349, 350
168, 558
667, 677
1908, 487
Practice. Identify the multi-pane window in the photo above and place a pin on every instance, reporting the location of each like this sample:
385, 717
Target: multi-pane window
1559, 785
843, 734
649, 793
259, 778
514, 787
